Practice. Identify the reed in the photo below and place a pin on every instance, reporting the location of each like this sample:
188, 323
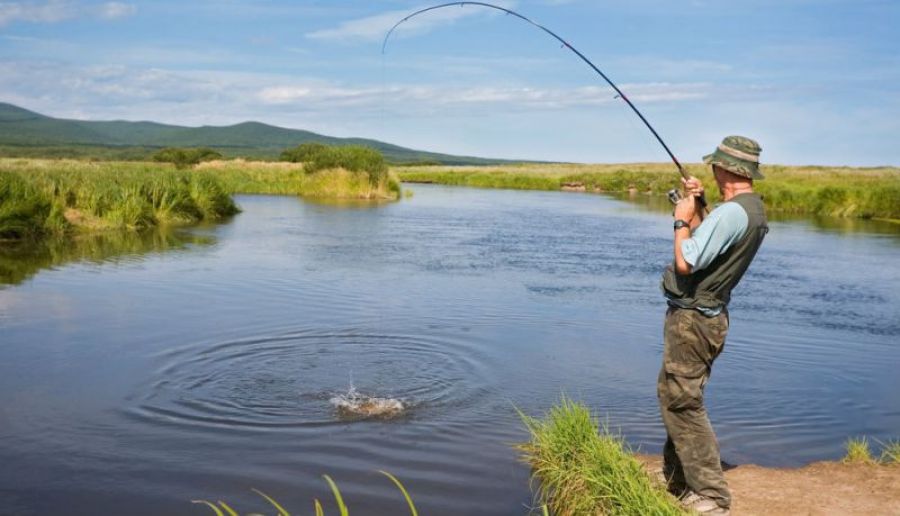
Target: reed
24, 211
221, 508
809, 190
582, 468
40, 197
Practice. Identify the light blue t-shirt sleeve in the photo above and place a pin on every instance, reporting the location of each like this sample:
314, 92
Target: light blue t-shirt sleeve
721, 229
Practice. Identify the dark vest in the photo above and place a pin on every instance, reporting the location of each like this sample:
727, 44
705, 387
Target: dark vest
711, 287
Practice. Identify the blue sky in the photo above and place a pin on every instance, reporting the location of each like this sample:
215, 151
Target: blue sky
816, 82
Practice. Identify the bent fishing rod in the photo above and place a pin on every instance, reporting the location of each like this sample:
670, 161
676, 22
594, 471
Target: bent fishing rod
619, 93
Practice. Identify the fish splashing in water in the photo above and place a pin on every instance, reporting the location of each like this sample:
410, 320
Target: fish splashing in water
354, 404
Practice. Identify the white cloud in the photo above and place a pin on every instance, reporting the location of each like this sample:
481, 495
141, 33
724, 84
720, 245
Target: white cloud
114, 10
374, 28
427, 98
557, 122
218, 97
36, 12
54, 11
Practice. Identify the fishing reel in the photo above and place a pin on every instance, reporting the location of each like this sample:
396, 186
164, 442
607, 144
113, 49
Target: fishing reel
674, 195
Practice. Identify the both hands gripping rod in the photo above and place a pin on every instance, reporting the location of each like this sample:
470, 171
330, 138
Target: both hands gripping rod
565, 44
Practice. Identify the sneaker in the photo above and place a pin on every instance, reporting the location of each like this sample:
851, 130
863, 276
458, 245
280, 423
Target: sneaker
702, 505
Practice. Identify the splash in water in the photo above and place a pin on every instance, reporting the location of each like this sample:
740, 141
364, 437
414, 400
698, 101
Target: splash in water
353, 404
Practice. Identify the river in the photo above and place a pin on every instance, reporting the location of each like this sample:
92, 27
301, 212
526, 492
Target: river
137, 374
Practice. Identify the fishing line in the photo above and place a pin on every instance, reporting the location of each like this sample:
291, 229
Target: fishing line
565, 44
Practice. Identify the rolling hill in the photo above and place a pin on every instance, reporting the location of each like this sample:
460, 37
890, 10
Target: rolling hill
26, 133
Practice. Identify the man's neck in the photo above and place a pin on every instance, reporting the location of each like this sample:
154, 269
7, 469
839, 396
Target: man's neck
730, 191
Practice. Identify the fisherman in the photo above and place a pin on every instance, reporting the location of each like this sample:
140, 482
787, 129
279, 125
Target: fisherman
711, 256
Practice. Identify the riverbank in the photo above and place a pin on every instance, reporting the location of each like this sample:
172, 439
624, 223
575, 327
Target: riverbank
43, 197
580, 467
821, 488
821, 191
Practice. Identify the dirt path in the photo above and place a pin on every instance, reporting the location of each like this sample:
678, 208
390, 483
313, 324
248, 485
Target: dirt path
822, 488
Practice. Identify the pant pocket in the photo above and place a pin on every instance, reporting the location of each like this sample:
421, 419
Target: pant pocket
684, 385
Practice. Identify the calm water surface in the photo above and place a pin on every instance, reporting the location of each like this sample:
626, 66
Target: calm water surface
137, 375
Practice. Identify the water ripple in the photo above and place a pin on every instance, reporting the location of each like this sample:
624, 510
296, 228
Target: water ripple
287, 381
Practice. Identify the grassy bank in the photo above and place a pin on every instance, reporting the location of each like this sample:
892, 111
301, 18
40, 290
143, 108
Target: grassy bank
583, 469
40, 197
822, 191
44, 197
281, 178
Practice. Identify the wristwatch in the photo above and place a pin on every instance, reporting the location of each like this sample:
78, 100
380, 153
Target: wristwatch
681, 224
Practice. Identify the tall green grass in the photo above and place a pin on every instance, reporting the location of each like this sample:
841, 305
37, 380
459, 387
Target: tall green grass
821, 191
24, 211
57, 197
285, 178
859, 451
39, 197
582, 468
890, 453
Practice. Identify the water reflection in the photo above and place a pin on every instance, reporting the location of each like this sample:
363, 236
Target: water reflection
19, 261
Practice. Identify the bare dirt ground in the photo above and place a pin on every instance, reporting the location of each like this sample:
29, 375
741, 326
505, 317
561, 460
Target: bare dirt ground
821, 488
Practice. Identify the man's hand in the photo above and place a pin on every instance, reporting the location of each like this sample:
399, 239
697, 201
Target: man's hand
686, 209
692, 186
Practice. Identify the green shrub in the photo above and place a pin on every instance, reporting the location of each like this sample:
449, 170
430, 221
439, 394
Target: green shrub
353, 158
185, 157
303, 152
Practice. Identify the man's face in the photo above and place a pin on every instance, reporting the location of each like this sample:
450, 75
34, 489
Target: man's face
719, 174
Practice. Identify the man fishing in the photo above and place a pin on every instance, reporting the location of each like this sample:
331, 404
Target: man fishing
710, 258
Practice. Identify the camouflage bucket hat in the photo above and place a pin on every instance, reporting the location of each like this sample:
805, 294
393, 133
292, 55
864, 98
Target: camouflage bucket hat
737, 154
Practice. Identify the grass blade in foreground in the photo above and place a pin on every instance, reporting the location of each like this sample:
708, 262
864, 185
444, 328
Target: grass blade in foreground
583, 469
412, 506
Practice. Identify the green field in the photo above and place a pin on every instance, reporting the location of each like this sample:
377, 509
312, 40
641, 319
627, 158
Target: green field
820, 191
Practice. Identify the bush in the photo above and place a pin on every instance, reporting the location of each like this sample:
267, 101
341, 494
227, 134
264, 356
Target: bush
303, 152
354, 158
183, 158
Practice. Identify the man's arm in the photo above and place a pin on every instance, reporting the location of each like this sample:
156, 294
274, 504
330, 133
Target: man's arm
685, 210
721, 229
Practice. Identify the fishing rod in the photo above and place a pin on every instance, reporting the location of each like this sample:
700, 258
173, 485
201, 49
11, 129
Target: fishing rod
619, 93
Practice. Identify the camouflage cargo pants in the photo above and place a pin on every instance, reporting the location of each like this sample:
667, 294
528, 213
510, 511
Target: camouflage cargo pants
691, 454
